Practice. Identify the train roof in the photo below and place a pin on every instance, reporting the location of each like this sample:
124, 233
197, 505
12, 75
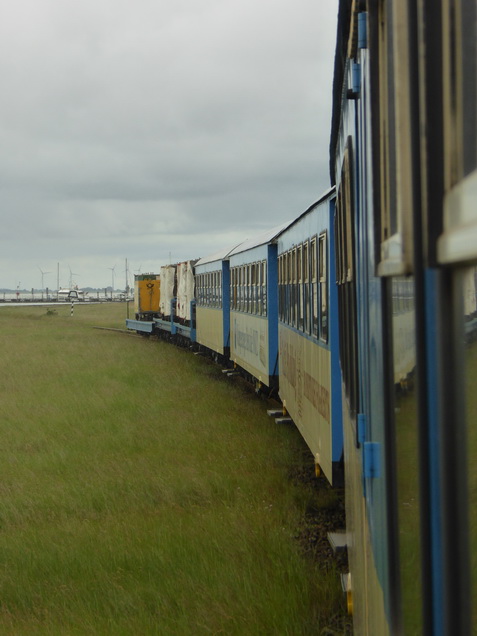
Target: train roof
326, 195
217, 256
261, 239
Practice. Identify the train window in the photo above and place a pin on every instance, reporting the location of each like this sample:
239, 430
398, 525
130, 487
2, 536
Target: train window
406, 445
235, 294
284, 288
251, 305
291, 295
347, 311
306, 281
314, 286
240, 288
294, 289
264, 286
250, 289
214, 289
220, 288
393, 141
286, 300
257, 288
323, 274
237, 289
253, 289
299, 262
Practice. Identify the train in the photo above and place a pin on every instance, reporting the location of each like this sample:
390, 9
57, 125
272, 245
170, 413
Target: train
360, 313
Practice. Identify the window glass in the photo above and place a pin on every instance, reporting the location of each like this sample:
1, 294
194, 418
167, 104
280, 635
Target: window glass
314, 287
264, 286
250, 289
290, 288
259, 290
241, 291
347, 310
393, 134
323, 271
406, 445
300, 288
294, 289
306, 289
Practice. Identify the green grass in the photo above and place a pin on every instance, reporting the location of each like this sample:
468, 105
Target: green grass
143, 493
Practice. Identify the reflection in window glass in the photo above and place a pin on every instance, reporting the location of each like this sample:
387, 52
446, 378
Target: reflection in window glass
404, 362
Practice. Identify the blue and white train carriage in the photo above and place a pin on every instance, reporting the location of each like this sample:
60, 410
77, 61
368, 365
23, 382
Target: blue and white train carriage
310, 381
254, 307
212, 290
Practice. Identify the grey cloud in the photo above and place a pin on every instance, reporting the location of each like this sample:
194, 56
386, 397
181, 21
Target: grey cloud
133, 128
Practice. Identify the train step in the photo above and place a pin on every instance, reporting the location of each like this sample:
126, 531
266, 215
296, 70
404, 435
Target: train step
279, 417
338, 541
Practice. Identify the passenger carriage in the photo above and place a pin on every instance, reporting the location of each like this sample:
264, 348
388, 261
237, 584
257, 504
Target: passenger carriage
404, 161
212, 281
254, 307
310, 381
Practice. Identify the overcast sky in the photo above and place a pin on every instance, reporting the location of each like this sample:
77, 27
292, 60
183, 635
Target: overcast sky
155, 131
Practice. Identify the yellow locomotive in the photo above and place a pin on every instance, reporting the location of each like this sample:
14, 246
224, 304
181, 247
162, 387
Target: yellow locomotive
147, 295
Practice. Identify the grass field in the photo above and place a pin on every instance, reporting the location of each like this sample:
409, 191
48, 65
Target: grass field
143, 493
